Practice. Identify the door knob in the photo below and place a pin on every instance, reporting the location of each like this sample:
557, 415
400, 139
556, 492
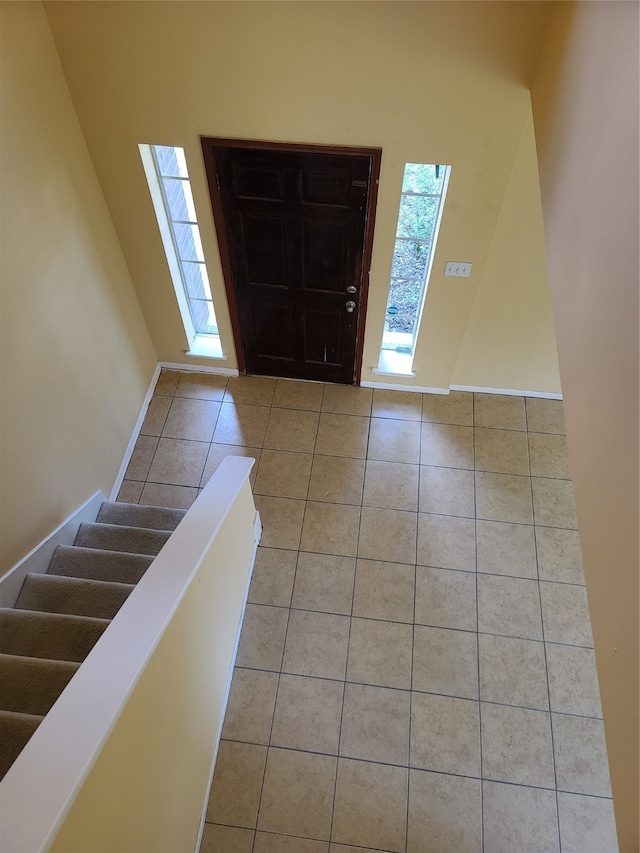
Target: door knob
350, 306
352, 289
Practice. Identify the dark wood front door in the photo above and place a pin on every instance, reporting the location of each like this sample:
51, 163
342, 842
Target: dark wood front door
295, 226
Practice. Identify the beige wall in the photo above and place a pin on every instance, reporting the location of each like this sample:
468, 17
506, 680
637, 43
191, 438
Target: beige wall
510, 336
76, 354
427, 82
585, 100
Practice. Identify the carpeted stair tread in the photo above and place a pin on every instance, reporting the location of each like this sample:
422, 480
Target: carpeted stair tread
116, 537
31, 685
137, 515
56, 636
15, 731
95, 564
76, 596
59, 616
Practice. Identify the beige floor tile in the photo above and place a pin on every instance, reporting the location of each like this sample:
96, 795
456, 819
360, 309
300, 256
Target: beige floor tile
292, 429
316, 645
250, 390
330, 529
342, 435
380, 653
262, 637
273, 575
267, 842
453, 408
156, 415
141, 458
348, 848
281, 521
559, 555
581, 755
346, 400
375, 724
549, 455
179, 497
204, 386
400, 405
394, 441
553, 503
445, 662
216, 838
499, 411
447, 446
445, 599
371, 805
447, 491
512, 672
308, 714
388, 534
217, 452
324, 582
297, 796
446, 542
245, 425
516, 746
545, 415
565, 614
519, 819
167, 382
290, 394
506, 549
573, 680
235, 791
587, 824
509, 606
445, 813
393, 485
384, 591
336, 479
501, 451
283, 474
193, 420
250, 707
503, 497
130, 491
445, 734
178, 462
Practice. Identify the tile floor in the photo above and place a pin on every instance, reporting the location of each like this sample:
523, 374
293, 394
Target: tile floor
415, 671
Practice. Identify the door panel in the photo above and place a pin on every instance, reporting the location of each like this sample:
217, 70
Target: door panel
292, 228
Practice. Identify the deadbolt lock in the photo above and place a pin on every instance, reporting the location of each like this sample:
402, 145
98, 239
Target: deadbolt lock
352, 289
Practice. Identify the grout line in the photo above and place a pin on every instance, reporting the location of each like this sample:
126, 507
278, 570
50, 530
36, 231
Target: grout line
475, 532
544, 647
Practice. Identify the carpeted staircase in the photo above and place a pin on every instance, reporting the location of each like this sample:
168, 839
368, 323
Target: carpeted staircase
60, 615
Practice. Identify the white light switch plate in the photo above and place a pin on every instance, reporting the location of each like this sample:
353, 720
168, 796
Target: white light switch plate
454, 268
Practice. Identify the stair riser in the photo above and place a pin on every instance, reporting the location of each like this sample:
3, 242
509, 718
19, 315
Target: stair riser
31, 686
111, 566
50, 594
45, 636
110, 537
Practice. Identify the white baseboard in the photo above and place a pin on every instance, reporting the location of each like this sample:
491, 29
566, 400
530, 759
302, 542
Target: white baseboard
396, 386
198, 368
134, 435
547, 395
37, 560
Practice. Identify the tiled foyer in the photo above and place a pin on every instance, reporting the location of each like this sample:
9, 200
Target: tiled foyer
415, 670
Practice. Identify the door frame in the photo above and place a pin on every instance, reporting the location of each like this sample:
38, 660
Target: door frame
375, 157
